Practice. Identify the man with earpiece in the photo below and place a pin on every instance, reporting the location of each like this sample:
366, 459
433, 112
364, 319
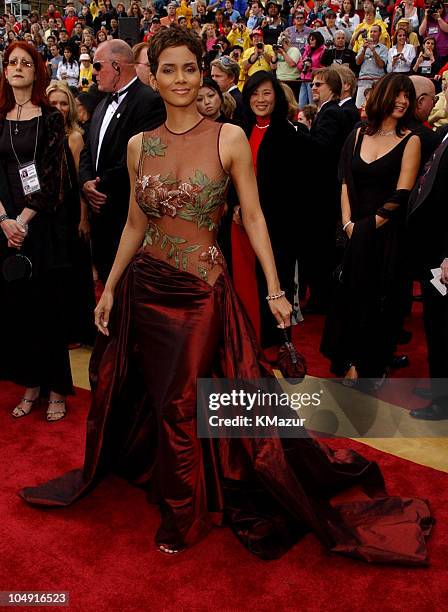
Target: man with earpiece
129, 108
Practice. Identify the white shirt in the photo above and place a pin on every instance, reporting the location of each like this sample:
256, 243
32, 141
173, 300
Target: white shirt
110, 112
344, 100
404, 64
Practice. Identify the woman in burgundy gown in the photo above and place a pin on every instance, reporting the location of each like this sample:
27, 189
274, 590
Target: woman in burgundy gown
176, 318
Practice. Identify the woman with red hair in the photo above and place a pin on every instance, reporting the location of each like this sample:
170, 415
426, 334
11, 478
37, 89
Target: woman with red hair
33, 240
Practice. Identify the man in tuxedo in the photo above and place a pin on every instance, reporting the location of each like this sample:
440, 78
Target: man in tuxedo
347, 101
321, 148
129, 108
428, 224
425, 94
226, 72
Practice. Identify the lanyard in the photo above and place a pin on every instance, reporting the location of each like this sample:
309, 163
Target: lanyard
35, 145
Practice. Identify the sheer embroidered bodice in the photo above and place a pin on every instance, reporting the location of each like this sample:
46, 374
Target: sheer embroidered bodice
181, 186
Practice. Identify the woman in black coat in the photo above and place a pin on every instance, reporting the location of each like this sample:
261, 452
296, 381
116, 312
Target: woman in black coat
273, 143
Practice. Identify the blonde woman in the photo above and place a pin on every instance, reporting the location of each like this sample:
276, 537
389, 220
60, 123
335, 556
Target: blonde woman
82, 302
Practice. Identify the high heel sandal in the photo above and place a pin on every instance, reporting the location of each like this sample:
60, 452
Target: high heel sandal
170, 549
20, 412
57, 414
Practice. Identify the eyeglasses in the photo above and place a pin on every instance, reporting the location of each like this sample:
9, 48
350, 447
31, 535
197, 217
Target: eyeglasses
99, 64
226, 60
317, 84
23, 62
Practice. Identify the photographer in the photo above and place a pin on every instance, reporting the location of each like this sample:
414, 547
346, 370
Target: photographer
288, 58
401, 55
274, 23
85, 72
298, 33
362, 32
348, 19
426, 63
239, 35
407, 10
329, 29
435, 24
229, 13
372, 60
311, 60
339, 54
259, 56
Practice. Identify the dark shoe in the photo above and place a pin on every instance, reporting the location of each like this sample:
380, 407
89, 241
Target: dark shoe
399, 361
404, 337
433, 412
423, 393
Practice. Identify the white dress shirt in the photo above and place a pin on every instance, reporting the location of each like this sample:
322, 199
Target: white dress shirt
110, 112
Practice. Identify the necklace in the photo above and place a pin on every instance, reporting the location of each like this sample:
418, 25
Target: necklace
19, 114
386, 133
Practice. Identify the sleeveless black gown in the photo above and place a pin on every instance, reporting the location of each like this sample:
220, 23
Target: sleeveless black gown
367, 312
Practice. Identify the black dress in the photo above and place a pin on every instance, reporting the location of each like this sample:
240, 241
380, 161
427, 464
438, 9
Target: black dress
35, 351
363, 324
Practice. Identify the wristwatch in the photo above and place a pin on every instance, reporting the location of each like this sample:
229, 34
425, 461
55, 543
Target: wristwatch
3, 218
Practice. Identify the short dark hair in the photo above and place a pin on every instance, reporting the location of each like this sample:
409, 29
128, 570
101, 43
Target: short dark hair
173, 37
382, 98
332, 78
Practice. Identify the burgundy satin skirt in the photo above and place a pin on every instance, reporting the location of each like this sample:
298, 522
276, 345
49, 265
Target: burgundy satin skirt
169, 328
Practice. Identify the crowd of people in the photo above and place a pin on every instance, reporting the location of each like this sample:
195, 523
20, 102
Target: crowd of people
165, 187
311, 82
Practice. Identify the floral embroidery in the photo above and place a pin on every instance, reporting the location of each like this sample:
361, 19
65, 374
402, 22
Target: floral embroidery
156, 236
154, 147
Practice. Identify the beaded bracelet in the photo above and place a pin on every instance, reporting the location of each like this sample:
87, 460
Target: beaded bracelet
275, 296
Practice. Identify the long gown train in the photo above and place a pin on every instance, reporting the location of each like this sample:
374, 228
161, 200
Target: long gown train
270, 491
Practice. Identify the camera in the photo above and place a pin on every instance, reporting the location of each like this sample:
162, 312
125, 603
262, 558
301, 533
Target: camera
84, 81
434, 8
259, 46
217, 48
329, 44
276, 47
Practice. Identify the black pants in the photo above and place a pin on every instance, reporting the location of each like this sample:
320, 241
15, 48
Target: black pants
435, 318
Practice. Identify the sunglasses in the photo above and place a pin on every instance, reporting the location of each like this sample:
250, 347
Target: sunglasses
317, 84
99, 64
225, 60
23, 62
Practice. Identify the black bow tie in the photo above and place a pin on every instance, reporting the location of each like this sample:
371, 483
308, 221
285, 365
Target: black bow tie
114, 97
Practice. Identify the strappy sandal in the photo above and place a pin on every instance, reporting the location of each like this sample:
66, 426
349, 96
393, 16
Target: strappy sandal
170, 549
20, 412
58, 413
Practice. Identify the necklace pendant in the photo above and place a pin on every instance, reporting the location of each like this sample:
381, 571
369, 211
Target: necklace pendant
16, 131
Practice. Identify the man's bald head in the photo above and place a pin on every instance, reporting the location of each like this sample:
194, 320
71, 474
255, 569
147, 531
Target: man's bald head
115, 50
425, 93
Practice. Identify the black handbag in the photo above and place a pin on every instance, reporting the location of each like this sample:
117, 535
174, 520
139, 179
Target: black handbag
17, 267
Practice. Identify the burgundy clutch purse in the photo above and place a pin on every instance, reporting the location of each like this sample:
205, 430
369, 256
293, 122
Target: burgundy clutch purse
290, 361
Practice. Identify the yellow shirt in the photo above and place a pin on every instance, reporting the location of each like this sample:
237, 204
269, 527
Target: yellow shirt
261, 63
235, 37
185, 11
85, 73
384, 37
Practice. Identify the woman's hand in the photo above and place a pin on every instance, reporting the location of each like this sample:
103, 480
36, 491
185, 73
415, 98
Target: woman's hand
84, 229
349, 229
102, 311
281, 309
14, 232
237, 215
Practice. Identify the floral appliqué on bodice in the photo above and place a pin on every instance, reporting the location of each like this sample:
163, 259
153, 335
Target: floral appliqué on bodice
199, 200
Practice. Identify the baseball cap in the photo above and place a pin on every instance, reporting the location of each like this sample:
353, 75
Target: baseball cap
257, 32
84, 56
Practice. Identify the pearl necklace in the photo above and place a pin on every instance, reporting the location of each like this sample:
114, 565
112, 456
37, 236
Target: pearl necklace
262, 127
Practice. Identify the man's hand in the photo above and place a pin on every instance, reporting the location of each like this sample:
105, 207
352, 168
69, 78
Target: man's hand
95, 198
444, 268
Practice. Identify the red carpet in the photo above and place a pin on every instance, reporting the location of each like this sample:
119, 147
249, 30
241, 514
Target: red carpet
101, 550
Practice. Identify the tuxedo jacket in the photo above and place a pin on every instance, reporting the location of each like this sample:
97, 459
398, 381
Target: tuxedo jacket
428, 211
351, 113
320, 149
141, 109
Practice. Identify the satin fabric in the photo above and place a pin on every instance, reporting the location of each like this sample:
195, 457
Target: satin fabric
168, 328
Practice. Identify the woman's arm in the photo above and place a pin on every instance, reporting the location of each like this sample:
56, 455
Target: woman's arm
131, 240
76, 145
237, 160
410, 165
